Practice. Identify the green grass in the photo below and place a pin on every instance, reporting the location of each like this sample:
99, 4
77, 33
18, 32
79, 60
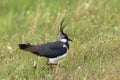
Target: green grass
94, 26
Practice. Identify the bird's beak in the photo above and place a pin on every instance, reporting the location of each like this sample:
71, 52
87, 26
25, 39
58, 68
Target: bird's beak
70, 40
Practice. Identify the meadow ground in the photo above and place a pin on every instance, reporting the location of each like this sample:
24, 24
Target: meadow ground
94, 26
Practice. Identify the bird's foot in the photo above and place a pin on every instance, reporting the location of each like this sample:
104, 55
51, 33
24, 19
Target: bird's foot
51, 64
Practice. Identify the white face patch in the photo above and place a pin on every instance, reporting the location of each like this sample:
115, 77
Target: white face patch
63, 40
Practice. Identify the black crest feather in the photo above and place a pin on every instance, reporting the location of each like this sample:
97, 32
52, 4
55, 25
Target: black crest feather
62, 26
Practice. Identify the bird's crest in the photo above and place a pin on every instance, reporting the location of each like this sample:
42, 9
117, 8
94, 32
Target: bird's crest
62, 26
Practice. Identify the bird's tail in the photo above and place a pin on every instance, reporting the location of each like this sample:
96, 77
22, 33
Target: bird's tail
24, 46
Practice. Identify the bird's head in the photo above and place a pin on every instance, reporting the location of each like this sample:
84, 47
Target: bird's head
63, 36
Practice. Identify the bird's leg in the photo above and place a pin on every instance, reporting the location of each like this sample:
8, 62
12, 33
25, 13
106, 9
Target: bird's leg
50, 64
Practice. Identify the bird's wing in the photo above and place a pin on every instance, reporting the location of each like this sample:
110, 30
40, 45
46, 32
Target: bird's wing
54, 49
49, 50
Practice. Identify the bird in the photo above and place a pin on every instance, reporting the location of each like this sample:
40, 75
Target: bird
53, 51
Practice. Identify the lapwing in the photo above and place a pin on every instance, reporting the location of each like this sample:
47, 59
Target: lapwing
53, 51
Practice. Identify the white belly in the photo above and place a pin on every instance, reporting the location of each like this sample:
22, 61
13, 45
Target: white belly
55, 60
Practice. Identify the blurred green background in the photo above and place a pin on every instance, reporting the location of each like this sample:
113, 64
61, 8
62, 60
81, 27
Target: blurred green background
94, 26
